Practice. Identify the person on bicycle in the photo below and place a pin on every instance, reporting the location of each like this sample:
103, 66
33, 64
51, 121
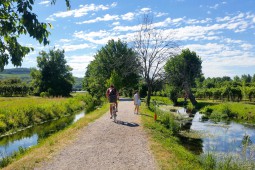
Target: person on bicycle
112, 95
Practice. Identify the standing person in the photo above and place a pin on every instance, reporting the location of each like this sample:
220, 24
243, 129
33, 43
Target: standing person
137, 102
112, 95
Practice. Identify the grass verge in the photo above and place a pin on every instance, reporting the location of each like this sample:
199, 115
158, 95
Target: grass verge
48, 147
169, 153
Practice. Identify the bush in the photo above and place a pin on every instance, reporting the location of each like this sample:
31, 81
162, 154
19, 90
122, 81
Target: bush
206, 110
44, 94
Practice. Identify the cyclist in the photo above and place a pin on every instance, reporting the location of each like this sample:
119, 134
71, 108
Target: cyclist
112, 95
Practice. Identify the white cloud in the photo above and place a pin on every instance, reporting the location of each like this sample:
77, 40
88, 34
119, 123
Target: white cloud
79, 63
64, 40
217, 57
82, 11
100, 37
47, 3
145, 10
128, 16
75, 47
159, 14
107, 17
88, 35
247, 46
115, 23
214, 6
127, 28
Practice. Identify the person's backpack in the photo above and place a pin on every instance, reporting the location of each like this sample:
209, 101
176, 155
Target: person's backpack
112, 92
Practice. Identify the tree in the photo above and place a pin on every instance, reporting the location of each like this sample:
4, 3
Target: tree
54, 77
182, 70
17, 18
154, 48
113, 61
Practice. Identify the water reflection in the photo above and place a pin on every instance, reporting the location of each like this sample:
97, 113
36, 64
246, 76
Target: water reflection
31, 136
225, 137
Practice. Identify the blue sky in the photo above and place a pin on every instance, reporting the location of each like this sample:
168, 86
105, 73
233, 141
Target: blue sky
222, 33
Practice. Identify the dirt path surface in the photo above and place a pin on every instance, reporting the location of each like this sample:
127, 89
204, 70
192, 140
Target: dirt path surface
104, 144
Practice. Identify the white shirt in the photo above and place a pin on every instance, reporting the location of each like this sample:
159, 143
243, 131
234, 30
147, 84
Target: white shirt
136, 98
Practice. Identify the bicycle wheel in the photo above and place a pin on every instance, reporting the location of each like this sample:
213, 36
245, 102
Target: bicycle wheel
114, 113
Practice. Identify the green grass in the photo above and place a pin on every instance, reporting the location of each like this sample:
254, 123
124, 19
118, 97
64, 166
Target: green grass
238, 111
161, 100
18, 113
169, 153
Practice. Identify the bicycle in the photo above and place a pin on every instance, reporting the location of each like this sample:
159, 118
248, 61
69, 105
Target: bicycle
114, 114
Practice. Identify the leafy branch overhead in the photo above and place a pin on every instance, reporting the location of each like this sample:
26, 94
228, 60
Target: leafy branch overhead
17, 18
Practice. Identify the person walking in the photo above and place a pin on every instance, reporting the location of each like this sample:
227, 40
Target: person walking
137, 102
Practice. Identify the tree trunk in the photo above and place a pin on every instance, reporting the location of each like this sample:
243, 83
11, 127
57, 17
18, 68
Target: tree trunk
189, 94
148, 96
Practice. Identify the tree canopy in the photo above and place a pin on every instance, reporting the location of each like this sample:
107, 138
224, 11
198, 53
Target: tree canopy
182, 70
17, 18
114, 63
54, 77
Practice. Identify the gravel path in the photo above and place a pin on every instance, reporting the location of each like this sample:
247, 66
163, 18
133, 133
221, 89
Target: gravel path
104, 144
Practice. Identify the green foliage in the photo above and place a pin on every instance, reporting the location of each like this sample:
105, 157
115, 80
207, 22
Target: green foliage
231, 110
190, 107
15, 114
182, 71
114, 79
161, 100
18, 19
54, 77
113, 63
14, 87
167, 148
210, 161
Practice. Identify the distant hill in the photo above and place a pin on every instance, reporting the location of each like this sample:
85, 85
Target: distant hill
16, 71
21, 73
24, 75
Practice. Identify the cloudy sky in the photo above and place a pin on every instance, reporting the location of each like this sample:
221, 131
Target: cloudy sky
222, 33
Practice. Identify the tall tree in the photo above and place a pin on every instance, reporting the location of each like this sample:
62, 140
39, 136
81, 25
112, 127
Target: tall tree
53, 76
154, 48
114, 60
182, 70
17, 18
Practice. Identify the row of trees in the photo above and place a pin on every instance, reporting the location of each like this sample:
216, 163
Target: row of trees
14, 87
226, 93
217, 82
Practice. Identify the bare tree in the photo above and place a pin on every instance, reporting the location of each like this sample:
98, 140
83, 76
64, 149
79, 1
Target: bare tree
154, 47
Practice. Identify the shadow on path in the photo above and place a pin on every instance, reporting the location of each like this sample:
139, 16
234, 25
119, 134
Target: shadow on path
130, 124
125, 99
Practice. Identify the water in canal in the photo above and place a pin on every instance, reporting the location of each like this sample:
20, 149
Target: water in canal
31, 136
221, 138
